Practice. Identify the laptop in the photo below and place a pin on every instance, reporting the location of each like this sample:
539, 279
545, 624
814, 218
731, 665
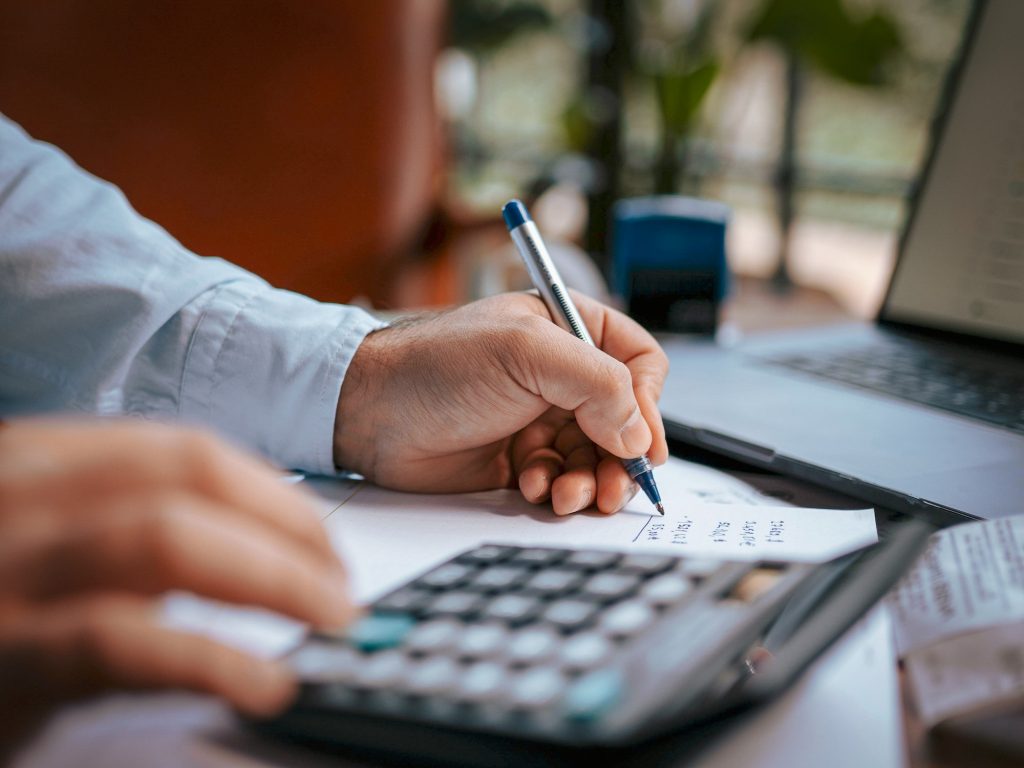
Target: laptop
922, 410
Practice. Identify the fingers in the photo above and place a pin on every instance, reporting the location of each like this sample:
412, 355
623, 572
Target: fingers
61, 464
186, 544
564, 465
615, 487
572, 375
535, 462
76, 647
614, 395
624, 339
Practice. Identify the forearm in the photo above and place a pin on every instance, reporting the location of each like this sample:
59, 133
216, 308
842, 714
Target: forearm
102, 311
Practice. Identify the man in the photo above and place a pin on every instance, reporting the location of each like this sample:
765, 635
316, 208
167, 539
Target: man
102, 312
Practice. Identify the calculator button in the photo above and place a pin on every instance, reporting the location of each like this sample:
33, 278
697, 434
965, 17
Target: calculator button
593, 695
403, 601
379, 631
585, 651
535, 556
536, 688
514, 609
569, 614
336, 695
646, 564
610, 586
382, 670
481, 641
432, 677
481, 682
552, 582
447, 576
498, 578
591, 560
666, 589
322, 663
486, 555
459, 604
698, 567
532, 645
626, 619
434, 636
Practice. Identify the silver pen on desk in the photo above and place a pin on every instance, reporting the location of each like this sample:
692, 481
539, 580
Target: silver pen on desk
563, 311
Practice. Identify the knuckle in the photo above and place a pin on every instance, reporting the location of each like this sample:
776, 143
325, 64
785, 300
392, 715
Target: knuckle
516, 343
522, 332
662, 361
98, 635
205, 460
619, 381
163, 539
198, 446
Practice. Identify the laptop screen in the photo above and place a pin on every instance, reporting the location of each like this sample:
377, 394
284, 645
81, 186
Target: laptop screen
961, 267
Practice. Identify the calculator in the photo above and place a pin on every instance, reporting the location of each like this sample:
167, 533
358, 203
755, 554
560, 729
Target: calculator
505, 654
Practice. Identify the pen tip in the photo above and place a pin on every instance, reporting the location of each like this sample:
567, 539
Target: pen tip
661, 508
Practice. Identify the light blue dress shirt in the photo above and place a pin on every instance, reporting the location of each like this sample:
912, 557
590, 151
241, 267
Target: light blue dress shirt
102, 311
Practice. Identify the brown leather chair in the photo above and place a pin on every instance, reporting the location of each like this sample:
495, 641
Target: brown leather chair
297, 139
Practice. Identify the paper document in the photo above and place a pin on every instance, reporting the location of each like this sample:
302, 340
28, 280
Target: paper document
973, 674
388, 537
959, 621
971, 576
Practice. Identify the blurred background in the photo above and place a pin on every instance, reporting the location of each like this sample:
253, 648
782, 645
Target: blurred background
363, 151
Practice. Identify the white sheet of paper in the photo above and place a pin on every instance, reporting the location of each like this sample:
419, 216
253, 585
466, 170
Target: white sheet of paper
969, 673
970, 577
387, 537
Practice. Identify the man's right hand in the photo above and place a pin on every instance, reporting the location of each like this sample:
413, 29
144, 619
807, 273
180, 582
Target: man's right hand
97, 519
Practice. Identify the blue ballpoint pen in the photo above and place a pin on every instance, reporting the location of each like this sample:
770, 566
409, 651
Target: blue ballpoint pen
563, 311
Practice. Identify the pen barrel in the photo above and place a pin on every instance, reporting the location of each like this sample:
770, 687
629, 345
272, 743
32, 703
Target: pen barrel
548, 282
637, 467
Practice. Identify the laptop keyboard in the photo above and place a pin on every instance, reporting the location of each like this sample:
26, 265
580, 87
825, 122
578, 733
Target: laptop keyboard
914, 372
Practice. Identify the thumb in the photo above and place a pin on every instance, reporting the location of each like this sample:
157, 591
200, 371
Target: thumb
571, 374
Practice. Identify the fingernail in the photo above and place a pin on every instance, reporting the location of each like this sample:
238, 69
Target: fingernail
271, 674
339, 604
628, 496
584, 500
636, 435
273, 687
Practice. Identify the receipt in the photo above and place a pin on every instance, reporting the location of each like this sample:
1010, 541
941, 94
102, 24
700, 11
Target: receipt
970, 577
972, 674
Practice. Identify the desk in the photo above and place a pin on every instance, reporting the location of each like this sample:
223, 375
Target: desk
843, 712
179, 729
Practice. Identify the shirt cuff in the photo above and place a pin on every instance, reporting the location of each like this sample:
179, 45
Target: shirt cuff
265, 367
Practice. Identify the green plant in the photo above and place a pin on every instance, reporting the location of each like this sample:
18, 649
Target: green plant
682, 73
825, 35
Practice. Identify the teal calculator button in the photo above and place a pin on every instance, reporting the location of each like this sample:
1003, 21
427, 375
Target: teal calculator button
593, 695
379, 631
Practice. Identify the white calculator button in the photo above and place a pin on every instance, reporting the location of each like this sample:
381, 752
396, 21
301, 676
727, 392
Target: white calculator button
481, 641
382, 670
585, 651
626, 619
323, 663
532, 645
482, 682
432, 677
666, 589
537, 688
434, 636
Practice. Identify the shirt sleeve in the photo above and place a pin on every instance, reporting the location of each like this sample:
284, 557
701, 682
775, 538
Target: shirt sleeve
102, 311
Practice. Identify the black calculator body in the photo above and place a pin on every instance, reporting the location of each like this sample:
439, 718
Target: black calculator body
510, 655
